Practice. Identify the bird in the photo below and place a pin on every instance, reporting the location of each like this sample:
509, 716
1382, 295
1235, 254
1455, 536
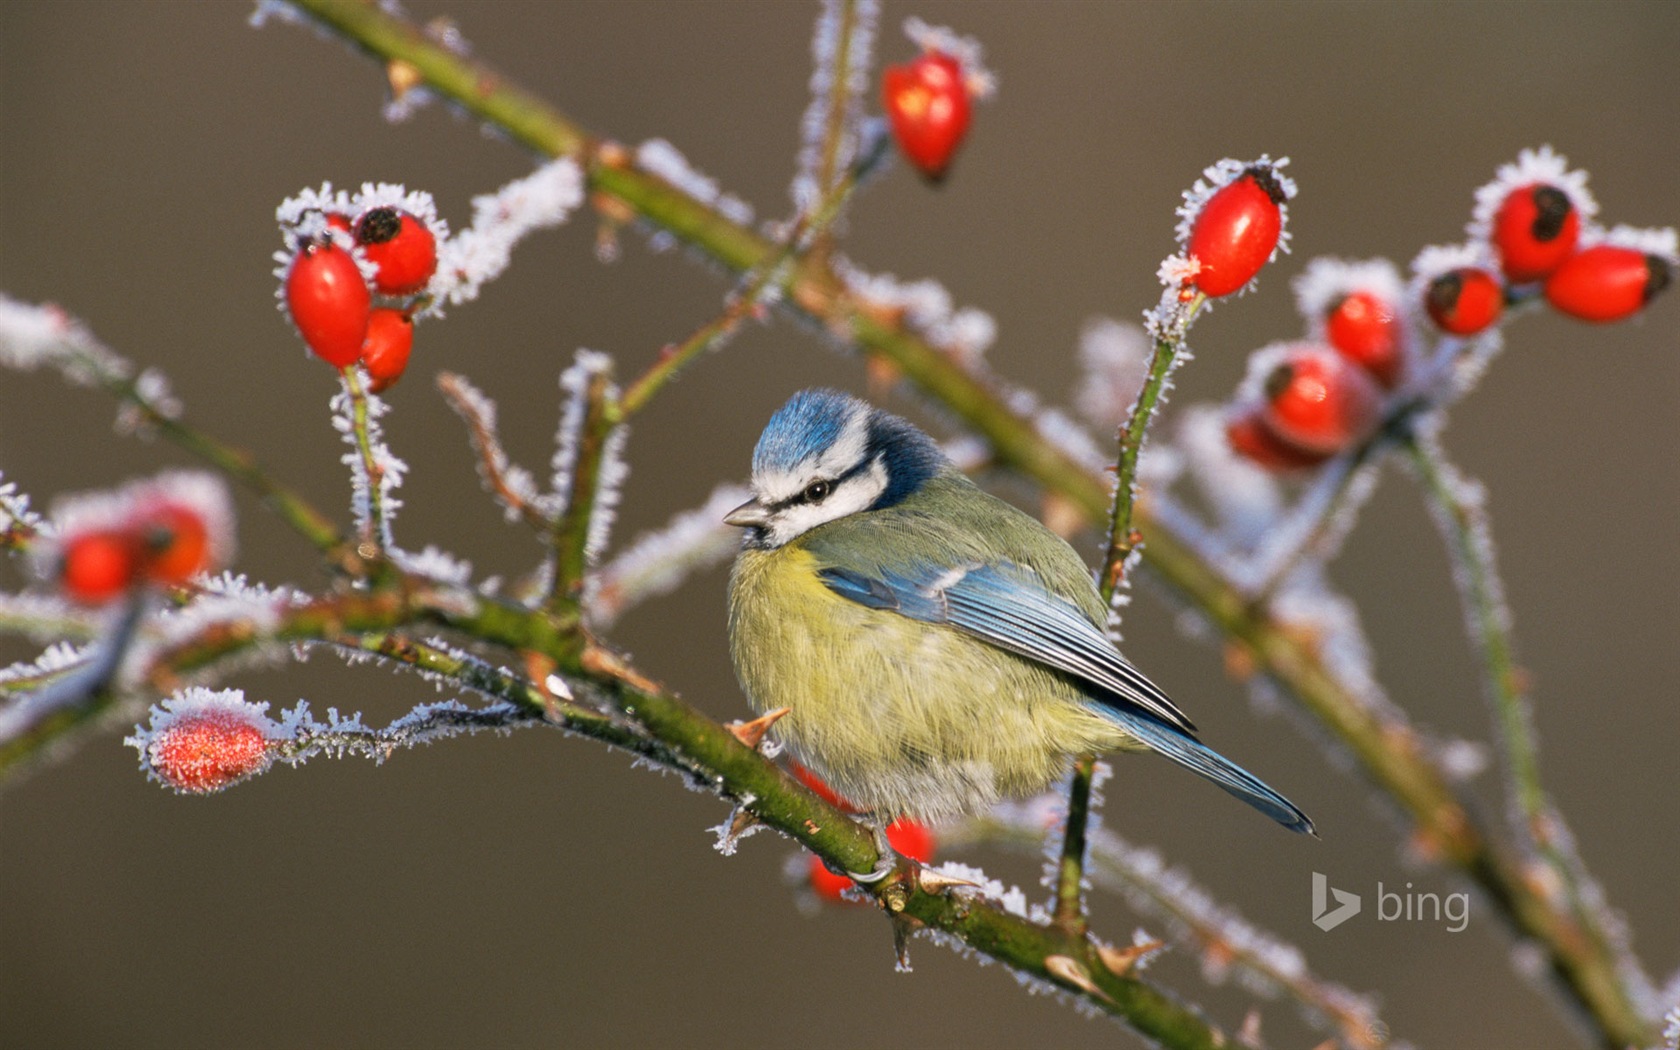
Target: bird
938, 650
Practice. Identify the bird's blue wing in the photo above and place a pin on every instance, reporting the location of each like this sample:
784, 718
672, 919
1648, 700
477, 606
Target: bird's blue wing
1009, 607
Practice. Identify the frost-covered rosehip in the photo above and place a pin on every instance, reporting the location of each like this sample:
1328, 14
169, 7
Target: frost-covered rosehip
1236, 231
401, 248
174, 543
329, 302
1607, 282
1251, 438
203, 741
1534, 231
1320, 401
927, 101
390, 338
98, 565
1365, 329
1464, 301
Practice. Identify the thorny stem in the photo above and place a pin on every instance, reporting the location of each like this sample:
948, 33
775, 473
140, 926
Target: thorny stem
1465, 527
1122, 541
571, 529
371, 544
835, 127
1386, 748
488, 445
1112, 865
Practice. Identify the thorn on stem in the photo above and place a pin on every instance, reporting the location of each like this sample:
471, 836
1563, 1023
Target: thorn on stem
1122, 961
1068, 970
752, 733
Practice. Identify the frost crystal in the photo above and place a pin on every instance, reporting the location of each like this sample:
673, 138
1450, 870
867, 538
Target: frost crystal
660, 158
1660, 241
980, 81
657, 562
926, 305
33, 336
541, 200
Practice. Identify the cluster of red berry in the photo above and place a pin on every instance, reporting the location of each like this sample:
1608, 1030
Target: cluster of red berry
160, 533
330, 293
910, 837
1532, 238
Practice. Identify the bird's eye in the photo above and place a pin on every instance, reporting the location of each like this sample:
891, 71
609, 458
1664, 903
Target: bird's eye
816, 491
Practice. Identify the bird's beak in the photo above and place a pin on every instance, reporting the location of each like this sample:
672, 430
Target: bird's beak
748, 515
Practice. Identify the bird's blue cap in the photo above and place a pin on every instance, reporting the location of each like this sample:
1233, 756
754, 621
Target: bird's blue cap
811, 421
816, 421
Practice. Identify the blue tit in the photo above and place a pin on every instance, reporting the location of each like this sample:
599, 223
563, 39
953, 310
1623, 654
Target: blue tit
939, 649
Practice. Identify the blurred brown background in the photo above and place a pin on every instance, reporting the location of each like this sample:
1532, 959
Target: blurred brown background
535, 890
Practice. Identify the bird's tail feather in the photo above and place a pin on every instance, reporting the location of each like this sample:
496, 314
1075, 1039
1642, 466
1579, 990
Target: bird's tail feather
1209, 763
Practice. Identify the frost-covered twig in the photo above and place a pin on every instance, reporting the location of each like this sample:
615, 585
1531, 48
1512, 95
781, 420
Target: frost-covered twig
658, 561
72, 687
841, 49
588, 473
512, 485
374, 472
1223, 940
1459, 508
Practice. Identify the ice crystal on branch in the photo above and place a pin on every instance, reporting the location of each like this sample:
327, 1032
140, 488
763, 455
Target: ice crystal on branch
375, 472
541, 200
927, 307
511, 485
657, 562
981, 82
658, 157
807, 190
36, 336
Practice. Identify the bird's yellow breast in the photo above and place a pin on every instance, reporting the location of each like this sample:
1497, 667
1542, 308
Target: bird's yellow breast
899, 716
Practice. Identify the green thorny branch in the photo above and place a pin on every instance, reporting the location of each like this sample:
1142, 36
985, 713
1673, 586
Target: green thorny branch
1388, 750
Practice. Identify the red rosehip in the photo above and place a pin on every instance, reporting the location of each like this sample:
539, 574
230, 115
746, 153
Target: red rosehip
98, 565
207, 751
826, 884
329, 302
1365, 330
390, 338
175, 544
1236, 231
912, 838
1534, 231
927, 103
1607, 282
1320, 402
1251, 438
400, 246
1464, 301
